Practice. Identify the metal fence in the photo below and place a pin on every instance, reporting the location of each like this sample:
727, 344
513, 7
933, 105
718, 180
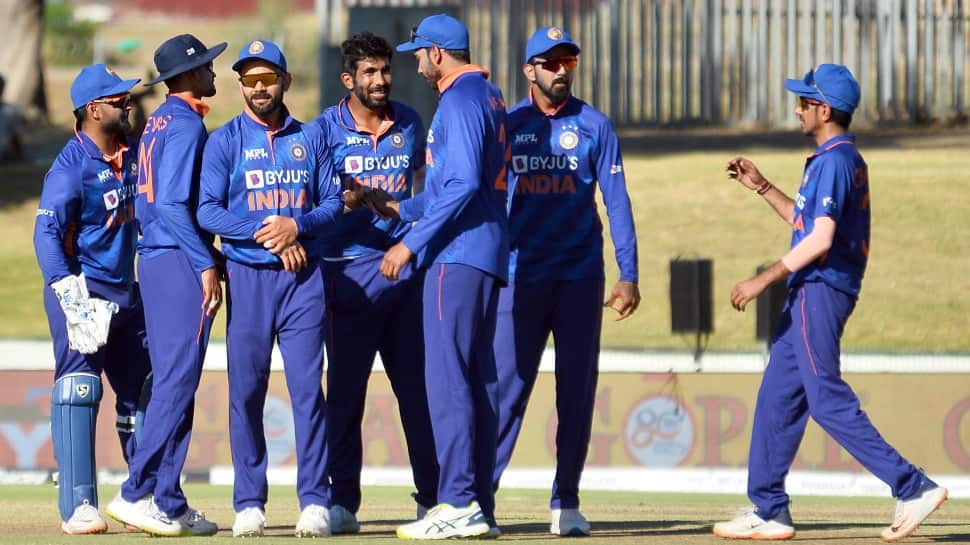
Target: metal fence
651, 62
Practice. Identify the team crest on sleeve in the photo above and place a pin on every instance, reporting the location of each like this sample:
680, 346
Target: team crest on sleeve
256, 47
298, 152
554, 33
397, 140
568, 140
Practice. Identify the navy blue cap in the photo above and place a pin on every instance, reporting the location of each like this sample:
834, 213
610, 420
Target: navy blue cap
182, 53
261, 50
439, 30
832, 84
98, 81
545, 39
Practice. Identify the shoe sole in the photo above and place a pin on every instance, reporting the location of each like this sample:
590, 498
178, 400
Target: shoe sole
87, 531
895, 538
465, 534
251, 533
572, 532
136, 528
756, 536
310, 533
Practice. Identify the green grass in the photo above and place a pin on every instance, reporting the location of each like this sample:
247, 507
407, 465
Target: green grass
914, 294
30, 516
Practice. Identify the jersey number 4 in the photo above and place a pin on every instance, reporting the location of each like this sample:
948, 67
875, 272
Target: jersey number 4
145, 171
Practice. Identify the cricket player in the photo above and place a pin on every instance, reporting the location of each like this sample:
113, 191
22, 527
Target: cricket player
829, 218
84, 238
268, 190
461, 238
178, 271
562, 148
377, 143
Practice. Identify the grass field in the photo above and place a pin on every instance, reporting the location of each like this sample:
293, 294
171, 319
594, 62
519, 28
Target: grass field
29, 515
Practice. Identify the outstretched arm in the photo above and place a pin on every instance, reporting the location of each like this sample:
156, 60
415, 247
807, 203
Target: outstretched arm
746, 173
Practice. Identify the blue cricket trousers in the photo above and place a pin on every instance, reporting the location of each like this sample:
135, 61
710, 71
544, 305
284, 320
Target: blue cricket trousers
178, 334
124, 359
367, 313
460, 305
803, 378
572, 310
268, 304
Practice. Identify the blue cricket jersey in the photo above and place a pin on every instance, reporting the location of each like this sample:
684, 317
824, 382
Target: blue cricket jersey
250, 172
386, 160
169, 164
85, 218
461, 215
835, 183
557, 161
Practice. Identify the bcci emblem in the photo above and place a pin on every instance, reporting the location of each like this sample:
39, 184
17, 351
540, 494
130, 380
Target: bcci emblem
82, 390
256, 48
298, 152
397, 140
554, 34
568, 140
659, 432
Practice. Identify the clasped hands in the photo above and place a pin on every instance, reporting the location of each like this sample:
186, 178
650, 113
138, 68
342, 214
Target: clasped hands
381, 203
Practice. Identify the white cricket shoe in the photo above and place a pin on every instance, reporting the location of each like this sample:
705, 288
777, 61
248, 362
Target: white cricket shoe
342, 521
314, 522
751, 526
445, 521
568, 522
133, 514
85, 520
194, 523
911, 513
249, 522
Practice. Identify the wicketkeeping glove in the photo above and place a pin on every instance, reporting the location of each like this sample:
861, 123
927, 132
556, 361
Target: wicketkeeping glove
88, 319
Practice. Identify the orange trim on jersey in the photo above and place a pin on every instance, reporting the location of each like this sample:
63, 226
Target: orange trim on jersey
386, 123
448, 80
841, 142
197, 104
547, 113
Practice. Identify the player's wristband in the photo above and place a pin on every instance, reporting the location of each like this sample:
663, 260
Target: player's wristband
763, 188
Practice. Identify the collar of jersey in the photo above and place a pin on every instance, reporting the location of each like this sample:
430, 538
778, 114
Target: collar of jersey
93, 151
347, 120
553, 113
250, 117
197, 105
833, 142
449, 79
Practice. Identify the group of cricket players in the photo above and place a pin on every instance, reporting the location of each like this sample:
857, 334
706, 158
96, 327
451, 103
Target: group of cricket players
452, 250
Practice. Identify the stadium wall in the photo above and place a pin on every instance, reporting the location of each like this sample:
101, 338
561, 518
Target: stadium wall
661, 423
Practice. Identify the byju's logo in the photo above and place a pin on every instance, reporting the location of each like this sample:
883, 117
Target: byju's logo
354, 164
254, 179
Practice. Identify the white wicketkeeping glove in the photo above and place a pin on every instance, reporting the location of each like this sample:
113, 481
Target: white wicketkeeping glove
86, 317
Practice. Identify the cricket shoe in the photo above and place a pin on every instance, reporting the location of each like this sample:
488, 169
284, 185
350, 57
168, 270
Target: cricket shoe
911, 513
568, 523
445, 521
133, 514
314, 522
194, 523
342, 521
85, 520
249, 522
751, 526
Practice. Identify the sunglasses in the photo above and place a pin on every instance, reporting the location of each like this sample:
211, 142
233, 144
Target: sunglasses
118, 102
553, 65
267, 79
804, 103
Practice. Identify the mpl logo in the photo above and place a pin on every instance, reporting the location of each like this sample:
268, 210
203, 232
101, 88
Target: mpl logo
255, 154
525, 138
659, 432
254, 179
353, 164
520, 164
105, 175
111, 199
358, 141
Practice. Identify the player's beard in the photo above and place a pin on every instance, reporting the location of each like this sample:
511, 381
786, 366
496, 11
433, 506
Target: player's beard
268, 108
556, 94
119, 128
433, 76
371, 103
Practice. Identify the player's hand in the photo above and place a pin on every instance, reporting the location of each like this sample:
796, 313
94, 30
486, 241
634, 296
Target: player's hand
394, 260
382, 204
293, 257
211, 291
277, 233
745, 291
354, 199
624, 299
744, 171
